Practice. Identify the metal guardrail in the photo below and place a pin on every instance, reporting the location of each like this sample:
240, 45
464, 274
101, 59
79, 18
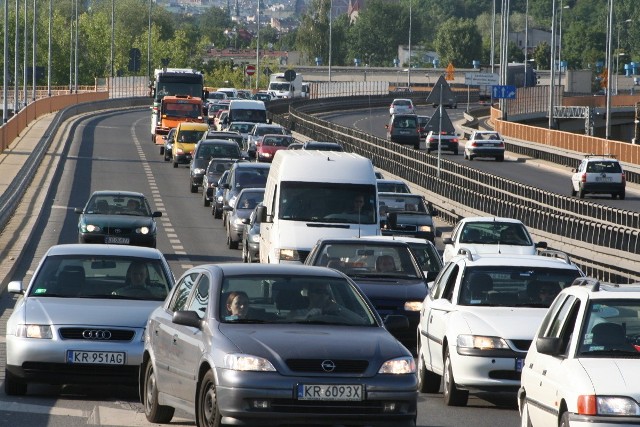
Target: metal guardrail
605, 241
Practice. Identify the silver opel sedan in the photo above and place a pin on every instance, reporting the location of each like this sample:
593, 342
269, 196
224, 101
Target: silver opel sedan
275, 344
81, 319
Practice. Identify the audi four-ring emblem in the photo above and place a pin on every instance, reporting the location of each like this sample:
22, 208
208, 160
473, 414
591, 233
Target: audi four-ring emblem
96, 334
328, 365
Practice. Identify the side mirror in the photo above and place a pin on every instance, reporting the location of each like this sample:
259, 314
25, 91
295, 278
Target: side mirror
396, 322
78, 210
447, 240
246, 221
187, 318
386, 126
156, 214
261, 214
549, 345
15, 287
541, 245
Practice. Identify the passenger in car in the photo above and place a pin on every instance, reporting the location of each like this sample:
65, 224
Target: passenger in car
385, 264
237, 305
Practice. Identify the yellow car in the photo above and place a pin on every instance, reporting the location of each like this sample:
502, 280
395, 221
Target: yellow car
186, 137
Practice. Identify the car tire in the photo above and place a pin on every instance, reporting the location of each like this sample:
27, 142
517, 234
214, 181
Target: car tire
573, 192
155, 413
175, 164
429, 382
455, 152
166, 157
14, 386
245, 253
428, 151
193, 188
470, 157
230, 243
500, 158
564, 419
207, 412
581, 193
452, 395
621, 195
162, 149
217, 213
205, 202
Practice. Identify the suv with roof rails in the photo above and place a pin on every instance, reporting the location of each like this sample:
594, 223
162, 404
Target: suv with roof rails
480, 317
585, 355
598, 173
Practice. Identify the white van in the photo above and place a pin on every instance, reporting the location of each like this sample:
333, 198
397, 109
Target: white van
313, 194
247, 111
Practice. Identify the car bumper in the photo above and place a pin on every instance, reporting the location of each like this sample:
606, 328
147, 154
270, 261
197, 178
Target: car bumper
408, 140
182, 158
418, 234
254, 250
148, 240
601, 421
283, 406
603, 187
45, 361
491, 372
485, 152
443, 147
196, 179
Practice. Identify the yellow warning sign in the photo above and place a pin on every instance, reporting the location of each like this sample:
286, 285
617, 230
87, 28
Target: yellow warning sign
450, 72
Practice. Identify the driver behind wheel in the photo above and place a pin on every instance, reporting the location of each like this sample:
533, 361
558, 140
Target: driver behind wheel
137, 283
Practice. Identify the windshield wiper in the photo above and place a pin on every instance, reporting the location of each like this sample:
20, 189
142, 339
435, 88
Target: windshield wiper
245, 321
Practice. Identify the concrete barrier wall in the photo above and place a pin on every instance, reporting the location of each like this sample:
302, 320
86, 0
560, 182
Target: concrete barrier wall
18, 122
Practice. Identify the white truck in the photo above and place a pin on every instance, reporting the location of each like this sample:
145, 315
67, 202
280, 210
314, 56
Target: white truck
280, 87
311, 194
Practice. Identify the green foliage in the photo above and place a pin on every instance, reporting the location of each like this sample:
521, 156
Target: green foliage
458, 42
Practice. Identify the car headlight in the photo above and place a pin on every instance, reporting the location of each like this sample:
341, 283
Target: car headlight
289, 255
266, 154
247, 362
425, 228
399, 366
198, 171
607, 405
237, 221
481, 342
90, 228
34, 331
413, 305
219, 198
255, 238
143, 230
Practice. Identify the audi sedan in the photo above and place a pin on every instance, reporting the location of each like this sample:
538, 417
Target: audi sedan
272, 344
82, 316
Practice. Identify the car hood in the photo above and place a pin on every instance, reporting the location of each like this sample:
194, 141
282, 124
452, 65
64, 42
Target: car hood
117, 220
276, 342
199, 163
86, 311
609, 376
506, 322
392, 289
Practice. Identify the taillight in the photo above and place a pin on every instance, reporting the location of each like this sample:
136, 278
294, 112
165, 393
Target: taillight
583, 177
623, 179
501, 144
455, 140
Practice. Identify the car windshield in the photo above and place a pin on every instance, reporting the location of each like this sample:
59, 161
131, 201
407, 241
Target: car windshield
208, 151
293, 299
611, 329
277, 141
182, 109
95, 276
368, 260
327, 202
264, 130
105, 204
241, 127
249, 199
495, 232
190, 136
514, 286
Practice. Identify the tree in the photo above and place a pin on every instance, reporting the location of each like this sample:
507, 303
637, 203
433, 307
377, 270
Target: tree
458, 42
541, 55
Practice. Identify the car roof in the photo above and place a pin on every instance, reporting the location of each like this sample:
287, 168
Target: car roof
402, 99
405, 239
216, 141
251, 165
362, 239
240, 269
509, 260
116, 250
193, 126
117, 193
490, 219
403, 195
596, 289
389, 181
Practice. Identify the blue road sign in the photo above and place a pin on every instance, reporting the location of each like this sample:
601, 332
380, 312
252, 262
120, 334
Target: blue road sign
499, 91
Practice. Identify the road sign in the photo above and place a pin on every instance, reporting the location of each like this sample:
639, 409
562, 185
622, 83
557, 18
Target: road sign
290, 75
450, 75
481, 79
506, 92
250, 70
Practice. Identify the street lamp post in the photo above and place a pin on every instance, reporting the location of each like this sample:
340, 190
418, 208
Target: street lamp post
560, 44
33, 51
258, 48
330, 34
6, 62
409, 62
113, 33
609, 46
552, 76
49, 50
149, 44
618, 54
16, 55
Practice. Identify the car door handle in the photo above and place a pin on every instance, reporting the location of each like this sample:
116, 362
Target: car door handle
544, 372
430, 319
175, 339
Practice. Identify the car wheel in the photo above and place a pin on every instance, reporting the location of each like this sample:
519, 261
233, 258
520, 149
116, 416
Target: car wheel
207, 413
573, 192
154, 412
500, 158
621, 195
230, 243
429, 382
218, 213
455, 152
193, 188
525, 421
245, 253
452, 395
428, 151
470, 157
166, 156
205, 202
581, 193
564, 420
175, 164
13, 386
162, 149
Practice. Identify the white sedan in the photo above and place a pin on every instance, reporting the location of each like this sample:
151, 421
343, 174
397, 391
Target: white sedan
479, 318
490, 234
484, 144
399, 106
583, 366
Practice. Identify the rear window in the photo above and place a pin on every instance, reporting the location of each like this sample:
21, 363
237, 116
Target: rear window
405, 122
604, 167
403, 103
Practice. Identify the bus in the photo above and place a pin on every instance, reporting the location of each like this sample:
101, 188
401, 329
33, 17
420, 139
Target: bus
174, 81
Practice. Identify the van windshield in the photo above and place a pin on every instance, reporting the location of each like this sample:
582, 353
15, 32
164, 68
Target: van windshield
328, 202
249, 115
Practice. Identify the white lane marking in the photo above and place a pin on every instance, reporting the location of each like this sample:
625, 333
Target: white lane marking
103, 416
